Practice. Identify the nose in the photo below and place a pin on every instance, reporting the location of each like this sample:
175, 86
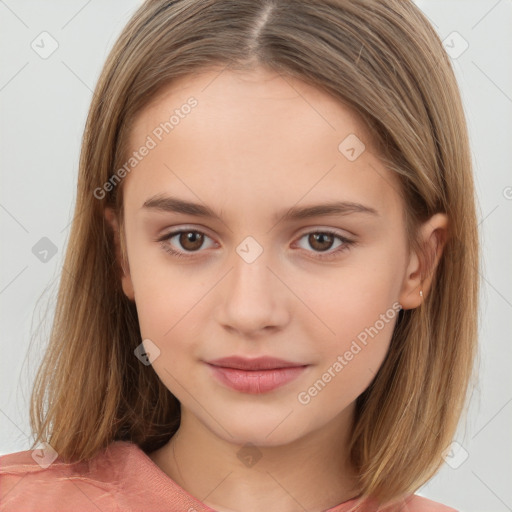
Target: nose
254, 298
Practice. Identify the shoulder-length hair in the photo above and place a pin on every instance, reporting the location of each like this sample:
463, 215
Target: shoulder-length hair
381, 58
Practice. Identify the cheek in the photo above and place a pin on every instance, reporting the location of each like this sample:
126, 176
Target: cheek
168, 309
349, 361
349, 299
165, 296
358, 310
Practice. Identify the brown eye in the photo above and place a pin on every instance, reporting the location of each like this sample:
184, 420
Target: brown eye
323, 241
184, 242
320, 241
191, 240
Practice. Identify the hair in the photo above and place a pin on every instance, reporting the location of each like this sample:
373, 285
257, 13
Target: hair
384, 60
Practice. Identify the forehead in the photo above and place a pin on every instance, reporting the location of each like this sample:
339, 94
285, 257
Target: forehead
251, 129
256, 91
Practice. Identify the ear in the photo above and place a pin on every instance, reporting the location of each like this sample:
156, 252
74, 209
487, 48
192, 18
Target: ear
421, 267
126, 280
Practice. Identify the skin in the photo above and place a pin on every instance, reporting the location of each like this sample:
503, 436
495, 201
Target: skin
256, 145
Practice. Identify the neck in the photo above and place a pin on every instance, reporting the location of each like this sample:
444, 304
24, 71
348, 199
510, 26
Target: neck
312, 472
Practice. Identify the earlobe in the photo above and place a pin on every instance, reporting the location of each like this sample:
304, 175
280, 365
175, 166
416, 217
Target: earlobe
126, 281
422, 267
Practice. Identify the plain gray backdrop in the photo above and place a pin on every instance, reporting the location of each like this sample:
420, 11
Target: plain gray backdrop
45, 92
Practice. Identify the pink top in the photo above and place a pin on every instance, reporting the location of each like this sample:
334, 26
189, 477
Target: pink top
120, 478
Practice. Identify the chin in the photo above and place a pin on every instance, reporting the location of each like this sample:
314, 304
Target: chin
258, 431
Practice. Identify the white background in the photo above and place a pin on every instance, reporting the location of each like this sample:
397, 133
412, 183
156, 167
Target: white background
44, 104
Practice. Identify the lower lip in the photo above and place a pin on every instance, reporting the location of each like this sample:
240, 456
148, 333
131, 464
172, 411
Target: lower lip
256, 381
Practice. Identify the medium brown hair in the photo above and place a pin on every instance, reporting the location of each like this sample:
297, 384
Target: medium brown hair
384, 60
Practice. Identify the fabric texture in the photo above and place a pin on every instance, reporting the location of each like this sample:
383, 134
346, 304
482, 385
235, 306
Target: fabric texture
121, 477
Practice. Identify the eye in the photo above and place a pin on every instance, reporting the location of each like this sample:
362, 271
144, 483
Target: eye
192, 240
323, 241
189, 239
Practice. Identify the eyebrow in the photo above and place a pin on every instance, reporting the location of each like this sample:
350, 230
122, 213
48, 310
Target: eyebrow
173, 204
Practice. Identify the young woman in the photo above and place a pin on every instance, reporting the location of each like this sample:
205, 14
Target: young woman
270, 292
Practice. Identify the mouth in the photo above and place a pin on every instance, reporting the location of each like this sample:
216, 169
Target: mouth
255, 376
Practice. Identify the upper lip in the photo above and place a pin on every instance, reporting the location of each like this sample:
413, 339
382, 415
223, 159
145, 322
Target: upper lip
258, 363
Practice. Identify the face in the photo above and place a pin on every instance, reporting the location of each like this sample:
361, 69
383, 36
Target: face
319, 290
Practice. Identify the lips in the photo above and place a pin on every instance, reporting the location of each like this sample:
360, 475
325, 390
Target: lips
255, 376
259, 363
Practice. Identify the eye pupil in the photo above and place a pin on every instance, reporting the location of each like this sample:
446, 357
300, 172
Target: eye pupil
316, 239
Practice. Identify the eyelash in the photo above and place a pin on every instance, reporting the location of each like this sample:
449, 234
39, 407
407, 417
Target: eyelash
347, 243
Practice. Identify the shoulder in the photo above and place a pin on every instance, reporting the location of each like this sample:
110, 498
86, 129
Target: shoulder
32, 481
411, 503
120, 477
415, 503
